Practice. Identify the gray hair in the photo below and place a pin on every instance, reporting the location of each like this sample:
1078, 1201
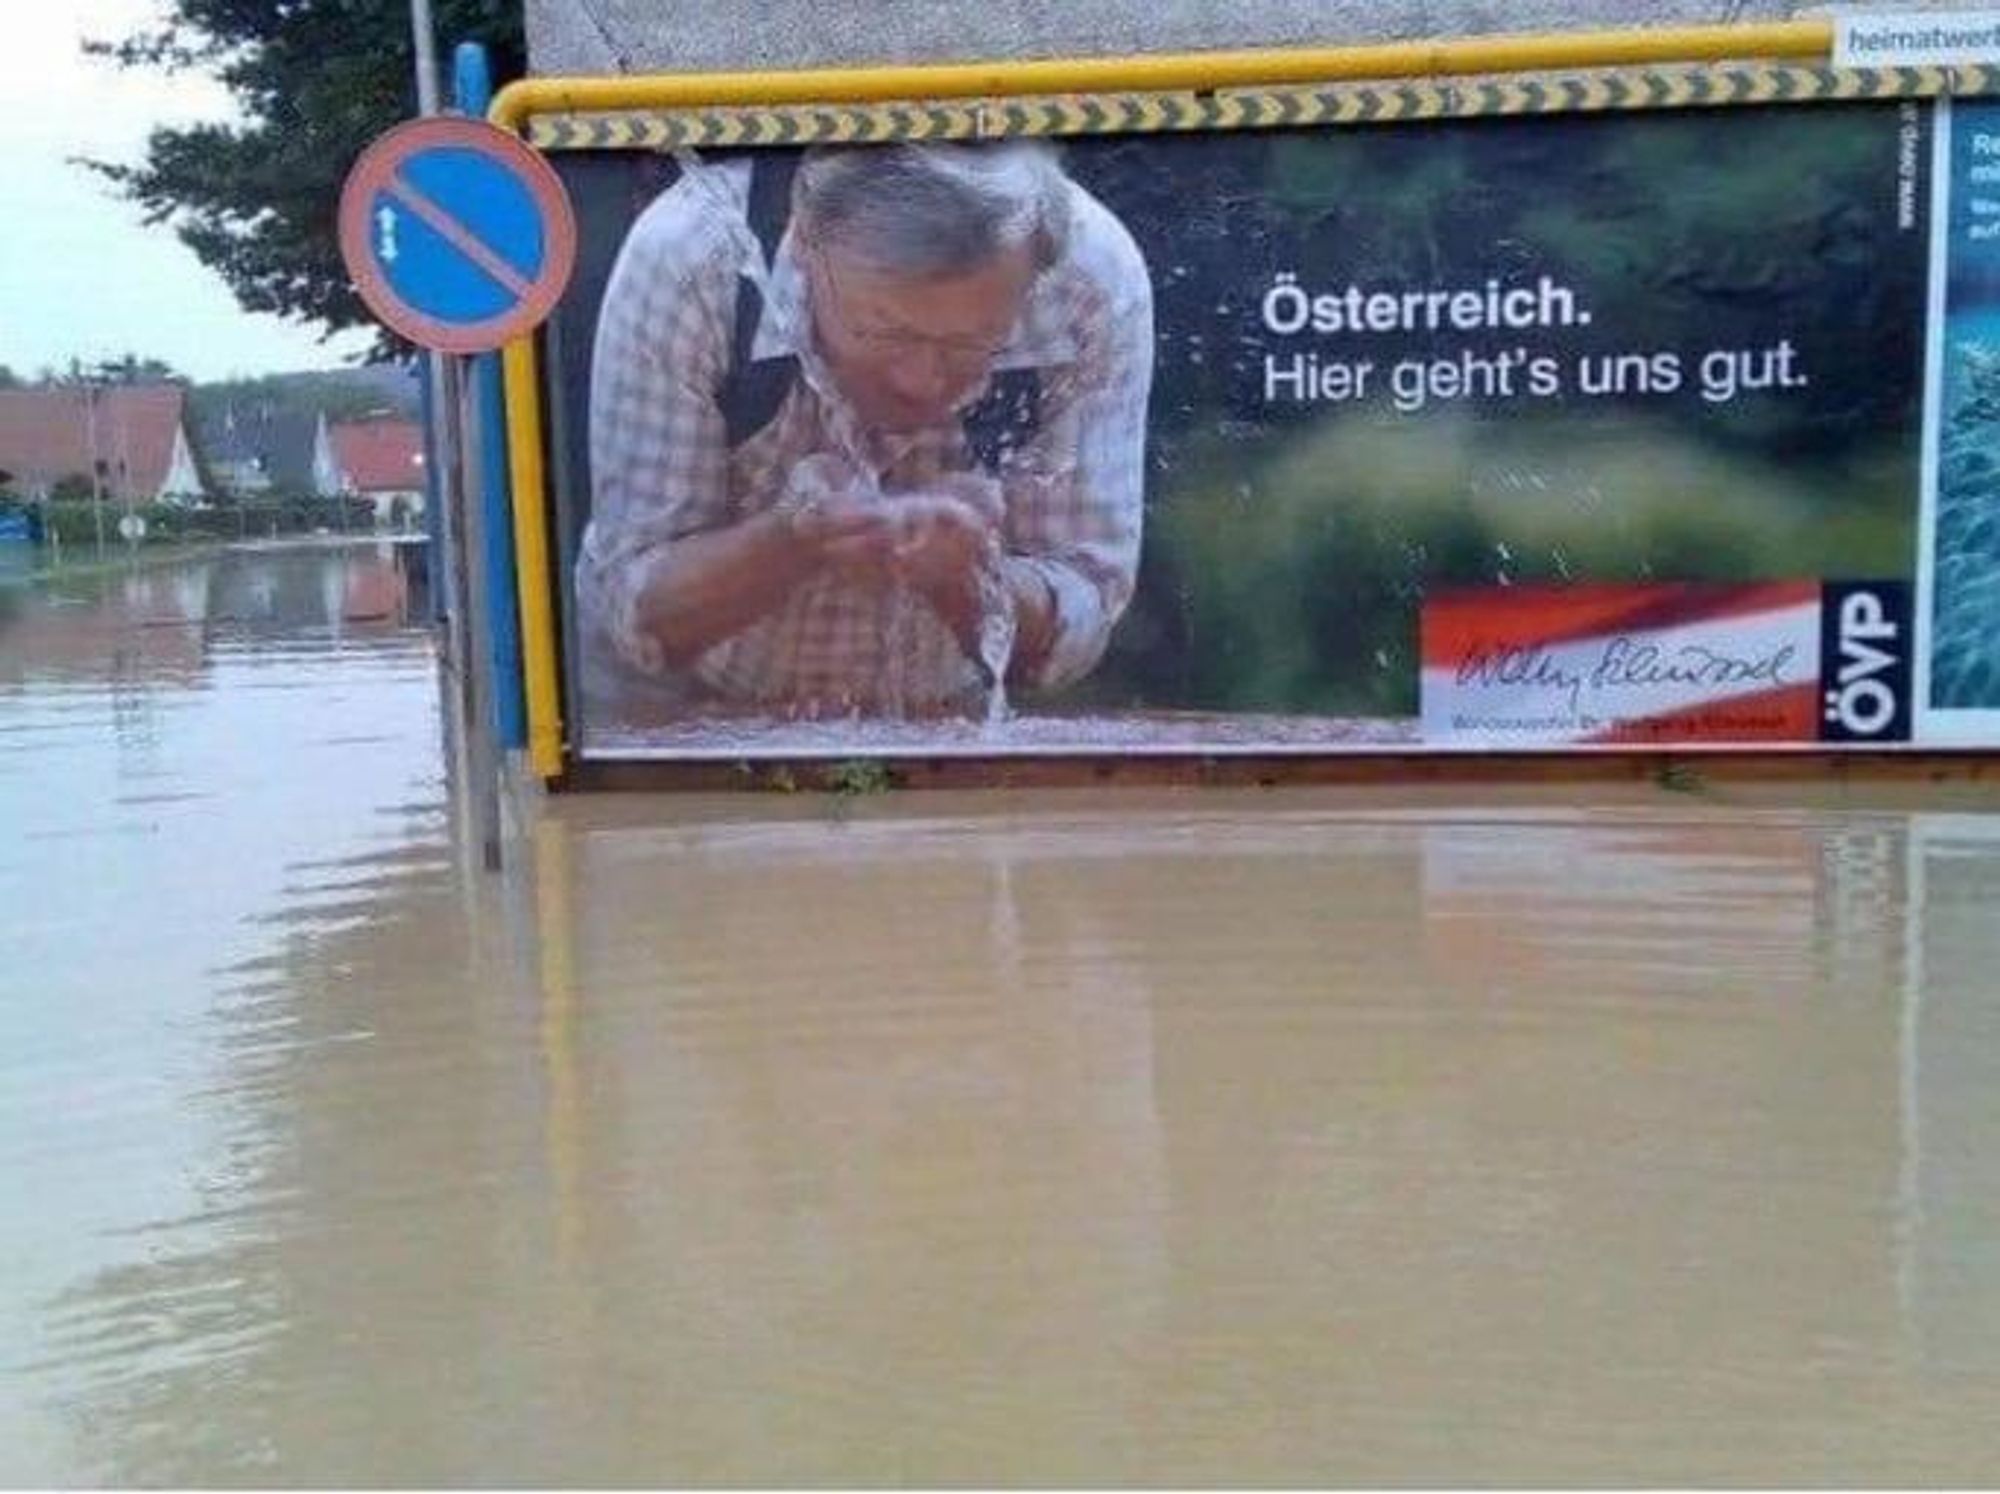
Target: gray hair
934, 209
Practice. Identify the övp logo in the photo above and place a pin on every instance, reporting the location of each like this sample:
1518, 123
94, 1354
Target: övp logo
1865, 661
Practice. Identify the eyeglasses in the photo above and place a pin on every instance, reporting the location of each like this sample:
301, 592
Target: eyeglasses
892, 341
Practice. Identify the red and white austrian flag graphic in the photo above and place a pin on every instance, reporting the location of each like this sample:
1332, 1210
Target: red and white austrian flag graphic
1624, 664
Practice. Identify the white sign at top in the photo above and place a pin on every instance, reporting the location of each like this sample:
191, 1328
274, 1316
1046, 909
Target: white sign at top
1915, 38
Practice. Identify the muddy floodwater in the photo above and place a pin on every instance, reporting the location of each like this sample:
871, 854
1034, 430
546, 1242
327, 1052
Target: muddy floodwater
1171, 1137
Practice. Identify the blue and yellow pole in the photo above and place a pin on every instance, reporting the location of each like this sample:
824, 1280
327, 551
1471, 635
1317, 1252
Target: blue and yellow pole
472, 88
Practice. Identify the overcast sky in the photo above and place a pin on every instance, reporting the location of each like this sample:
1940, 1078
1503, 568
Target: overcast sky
80, 275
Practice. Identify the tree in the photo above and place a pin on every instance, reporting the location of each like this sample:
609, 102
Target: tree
129, 369
315, 80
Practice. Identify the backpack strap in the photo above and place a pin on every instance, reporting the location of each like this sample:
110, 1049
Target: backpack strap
754, 390
1005, 418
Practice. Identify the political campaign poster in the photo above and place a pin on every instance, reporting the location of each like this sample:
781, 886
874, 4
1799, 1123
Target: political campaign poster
1651, 428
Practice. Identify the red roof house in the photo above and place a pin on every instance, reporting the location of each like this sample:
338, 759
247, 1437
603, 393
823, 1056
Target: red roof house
378, 456
134, 437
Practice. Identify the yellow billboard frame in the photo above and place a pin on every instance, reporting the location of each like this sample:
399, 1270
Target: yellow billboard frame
519, 104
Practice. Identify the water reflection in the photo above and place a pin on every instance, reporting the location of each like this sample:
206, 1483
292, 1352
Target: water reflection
172, 767
1324, 1143
1177, 1138
1951, 1104
166, 623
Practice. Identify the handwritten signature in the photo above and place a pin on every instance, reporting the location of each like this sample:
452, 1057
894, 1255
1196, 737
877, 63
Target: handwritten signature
1624, 664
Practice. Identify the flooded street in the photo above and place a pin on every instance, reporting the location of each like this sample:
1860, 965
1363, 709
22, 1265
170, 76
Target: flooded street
1168, 1136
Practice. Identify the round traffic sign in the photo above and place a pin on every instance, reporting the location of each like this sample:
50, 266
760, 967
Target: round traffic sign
458, 236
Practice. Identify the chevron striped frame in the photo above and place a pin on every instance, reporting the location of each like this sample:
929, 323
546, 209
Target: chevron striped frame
1690, 86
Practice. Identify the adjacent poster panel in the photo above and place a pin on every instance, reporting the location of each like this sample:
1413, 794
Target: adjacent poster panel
1961, 705
1543, 433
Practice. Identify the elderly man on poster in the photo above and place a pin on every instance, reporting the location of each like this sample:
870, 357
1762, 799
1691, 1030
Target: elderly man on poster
867, 435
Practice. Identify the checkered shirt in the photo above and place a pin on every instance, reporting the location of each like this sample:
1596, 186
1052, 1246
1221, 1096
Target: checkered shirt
662, 468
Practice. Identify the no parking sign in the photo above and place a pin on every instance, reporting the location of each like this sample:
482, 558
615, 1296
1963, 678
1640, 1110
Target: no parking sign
458, 236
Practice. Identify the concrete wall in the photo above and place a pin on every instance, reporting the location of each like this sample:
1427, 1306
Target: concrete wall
609, 36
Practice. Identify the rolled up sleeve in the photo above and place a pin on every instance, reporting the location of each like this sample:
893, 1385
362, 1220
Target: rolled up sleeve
1076, 500
659, 456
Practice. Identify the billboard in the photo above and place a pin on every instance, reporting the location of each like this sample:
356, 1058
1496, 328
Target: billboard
1549, 432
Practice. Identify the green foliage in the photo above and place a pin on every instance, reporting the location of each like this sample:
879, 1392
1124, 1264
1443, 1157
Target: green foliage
315, 80
1394, 203
128, 369
775, 778
1288, 549
1686, 230
1675, 777
74, 518
338, 394
1311, 569
856, 777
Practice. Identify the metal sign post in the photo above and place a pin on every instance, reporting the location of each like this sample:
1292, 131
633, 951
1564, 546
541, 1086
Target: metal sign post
482, 789
460, 238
